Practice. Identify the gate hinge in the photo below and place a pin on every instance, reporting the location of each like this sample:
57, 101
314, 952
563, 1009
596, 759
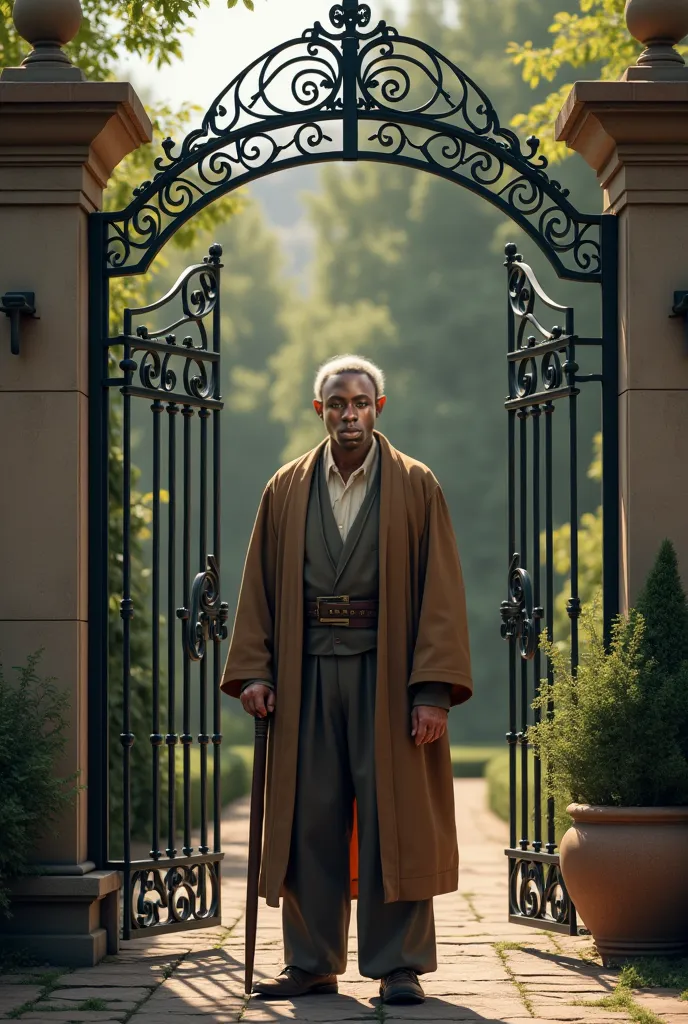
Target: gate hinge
15, 305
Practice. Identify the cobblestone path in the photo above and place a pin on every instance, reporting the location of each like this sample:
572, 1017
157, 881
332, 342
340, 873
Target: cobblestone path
488, 970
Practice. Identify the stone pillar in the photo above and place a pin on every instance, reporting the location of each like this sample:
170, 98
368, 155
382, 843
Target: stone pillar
60, 139
634, 133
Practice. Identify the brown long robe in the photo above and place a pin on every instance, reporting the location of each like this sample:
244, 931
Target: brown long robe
422, 637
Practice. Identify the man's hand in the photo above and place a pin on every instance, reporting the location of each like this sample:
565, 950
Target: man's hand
427, 723
258, 700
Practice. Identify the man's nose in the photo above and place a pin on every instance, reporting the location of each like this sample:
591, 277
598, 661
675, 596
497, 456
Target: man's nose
350, 413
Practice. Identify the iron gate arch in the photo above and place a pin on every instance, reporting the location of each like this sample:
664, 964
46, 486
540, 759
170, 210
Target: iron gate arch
353, 90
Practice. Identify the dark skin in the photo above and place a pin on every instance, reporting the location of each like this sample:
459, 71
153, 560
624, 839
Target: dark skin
350, 409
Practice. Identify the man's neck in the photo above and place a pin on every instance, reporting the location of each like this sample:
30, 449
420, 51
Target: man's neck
347, 462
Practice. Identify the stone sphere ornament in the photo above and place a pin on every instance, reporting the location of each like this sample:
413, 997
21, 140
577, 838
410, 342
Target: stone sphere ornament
47, 25
659, 25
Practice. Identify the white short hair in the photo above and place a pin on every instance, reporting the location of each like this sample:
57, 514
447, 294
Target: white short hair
349, 364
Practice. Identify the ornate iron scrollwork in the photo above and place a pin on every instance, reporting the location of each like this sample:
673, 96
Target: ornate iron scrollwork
163, 364
537, 892
277, 113
539, 367
519, 618
207, 619
162, 896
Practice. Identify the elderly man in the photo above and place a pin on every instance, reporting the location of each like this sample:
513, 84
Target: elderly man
351, 630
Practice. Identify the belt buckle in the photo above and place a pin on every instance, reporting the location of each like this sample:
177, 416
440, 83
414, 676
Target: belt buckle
333, 620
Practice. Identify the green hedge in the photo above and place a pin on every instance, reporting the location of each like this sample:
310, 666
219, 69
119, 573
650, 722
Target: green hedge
235, 782
497, 777
467, 762
471, 762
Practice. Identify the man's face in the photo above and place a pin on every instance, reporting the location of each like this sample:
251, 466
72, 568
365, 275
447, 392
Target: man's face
349, 409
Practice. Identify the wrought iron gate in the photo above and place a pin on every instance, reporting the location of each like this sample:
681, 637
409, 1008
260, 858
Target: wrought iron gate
169, 357
543, 376
348, 90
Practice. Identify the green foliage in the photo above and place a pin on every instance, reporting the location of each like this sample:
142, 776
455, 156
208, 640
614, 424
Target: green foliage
655, 973
592, 41
111, 29
589, 556
471, 762
497, 778
33, 737
618, 733
235, 781
662, 602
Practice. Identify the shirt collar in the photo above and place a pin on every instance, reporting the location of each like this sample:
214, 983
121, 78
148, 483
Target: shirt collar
366, 469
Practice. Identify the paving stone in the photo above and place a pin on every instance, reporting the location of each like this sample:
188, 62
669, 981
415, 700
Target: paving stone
96, 1016
663, 1004
12, 996
197, 977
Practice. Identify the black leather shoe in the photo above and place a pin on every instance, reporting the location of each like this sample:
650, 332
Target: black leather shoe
401, 988
295, 982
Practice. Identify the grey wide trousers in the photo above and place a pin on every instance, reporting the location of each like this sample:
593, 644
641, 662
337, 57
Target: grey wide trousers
336, 763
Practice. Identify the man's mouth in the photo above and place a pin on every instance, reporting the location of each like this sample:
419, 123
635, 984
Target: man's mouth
350, 433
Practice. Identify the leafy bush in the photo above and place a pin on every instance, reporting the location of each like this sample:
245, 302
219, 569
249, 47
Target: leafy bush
619, 735
32, 738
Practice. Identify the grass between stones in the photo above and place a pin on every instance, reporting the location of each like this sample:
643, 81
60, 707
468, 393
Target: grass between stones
48, 981
620, 1000
501, 949
646, 973
469, 897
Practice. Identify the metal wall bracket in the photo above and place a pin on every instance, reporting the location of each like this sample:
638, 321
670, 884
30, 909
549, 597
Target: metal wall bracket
680, 308
15, 305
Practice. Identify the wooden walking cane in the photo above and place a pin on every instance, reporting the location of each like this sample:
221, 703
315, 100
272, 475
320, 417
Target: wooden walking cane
255, 844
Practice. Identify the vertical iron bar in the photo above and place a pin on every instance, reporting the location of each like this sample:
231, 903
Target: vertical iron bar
512, 735
98, 584
349, 82
217, 544
610, 422
203, 738
523, 734
187, 738
537, 663
574, 601
156, 737
127, 612
549, 563
171, 738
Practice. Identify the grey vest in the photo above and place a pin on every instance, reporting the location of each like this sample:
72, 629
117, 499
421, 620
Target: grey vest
332, 567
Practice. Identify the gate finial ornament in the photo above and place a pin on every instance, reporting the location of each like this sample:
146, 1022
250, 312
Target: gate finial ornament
659, 25
47, 25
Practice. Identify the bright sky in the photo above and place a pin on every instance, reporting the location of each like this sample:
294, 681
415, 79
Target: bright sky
226, 41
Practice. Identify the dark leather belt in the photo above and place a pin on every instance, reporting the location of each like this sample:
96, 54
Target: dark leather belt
340, 610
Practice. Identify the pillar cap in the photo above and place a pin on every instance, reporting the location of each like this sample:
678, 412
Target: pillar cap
47, 25
659, 25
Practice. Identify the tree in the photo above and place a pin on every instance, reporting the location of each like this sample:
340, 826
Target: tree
154, 29
594, 37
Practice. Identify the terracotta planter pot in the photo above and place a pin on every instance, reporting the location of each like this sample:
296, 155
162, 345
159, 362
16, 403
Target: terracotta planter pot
626, 869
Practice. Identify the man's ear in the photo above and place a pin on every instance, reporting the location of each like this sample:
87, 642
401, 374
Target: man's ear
318, 406
380, 404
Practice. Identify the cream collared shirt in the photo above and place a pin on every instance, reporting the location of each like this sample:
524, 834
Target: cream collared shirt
347, 498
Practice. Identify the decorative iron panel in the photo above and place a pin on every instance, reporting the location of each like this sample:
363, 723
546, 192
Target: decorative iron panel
543, 377
348, 91
175, 369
